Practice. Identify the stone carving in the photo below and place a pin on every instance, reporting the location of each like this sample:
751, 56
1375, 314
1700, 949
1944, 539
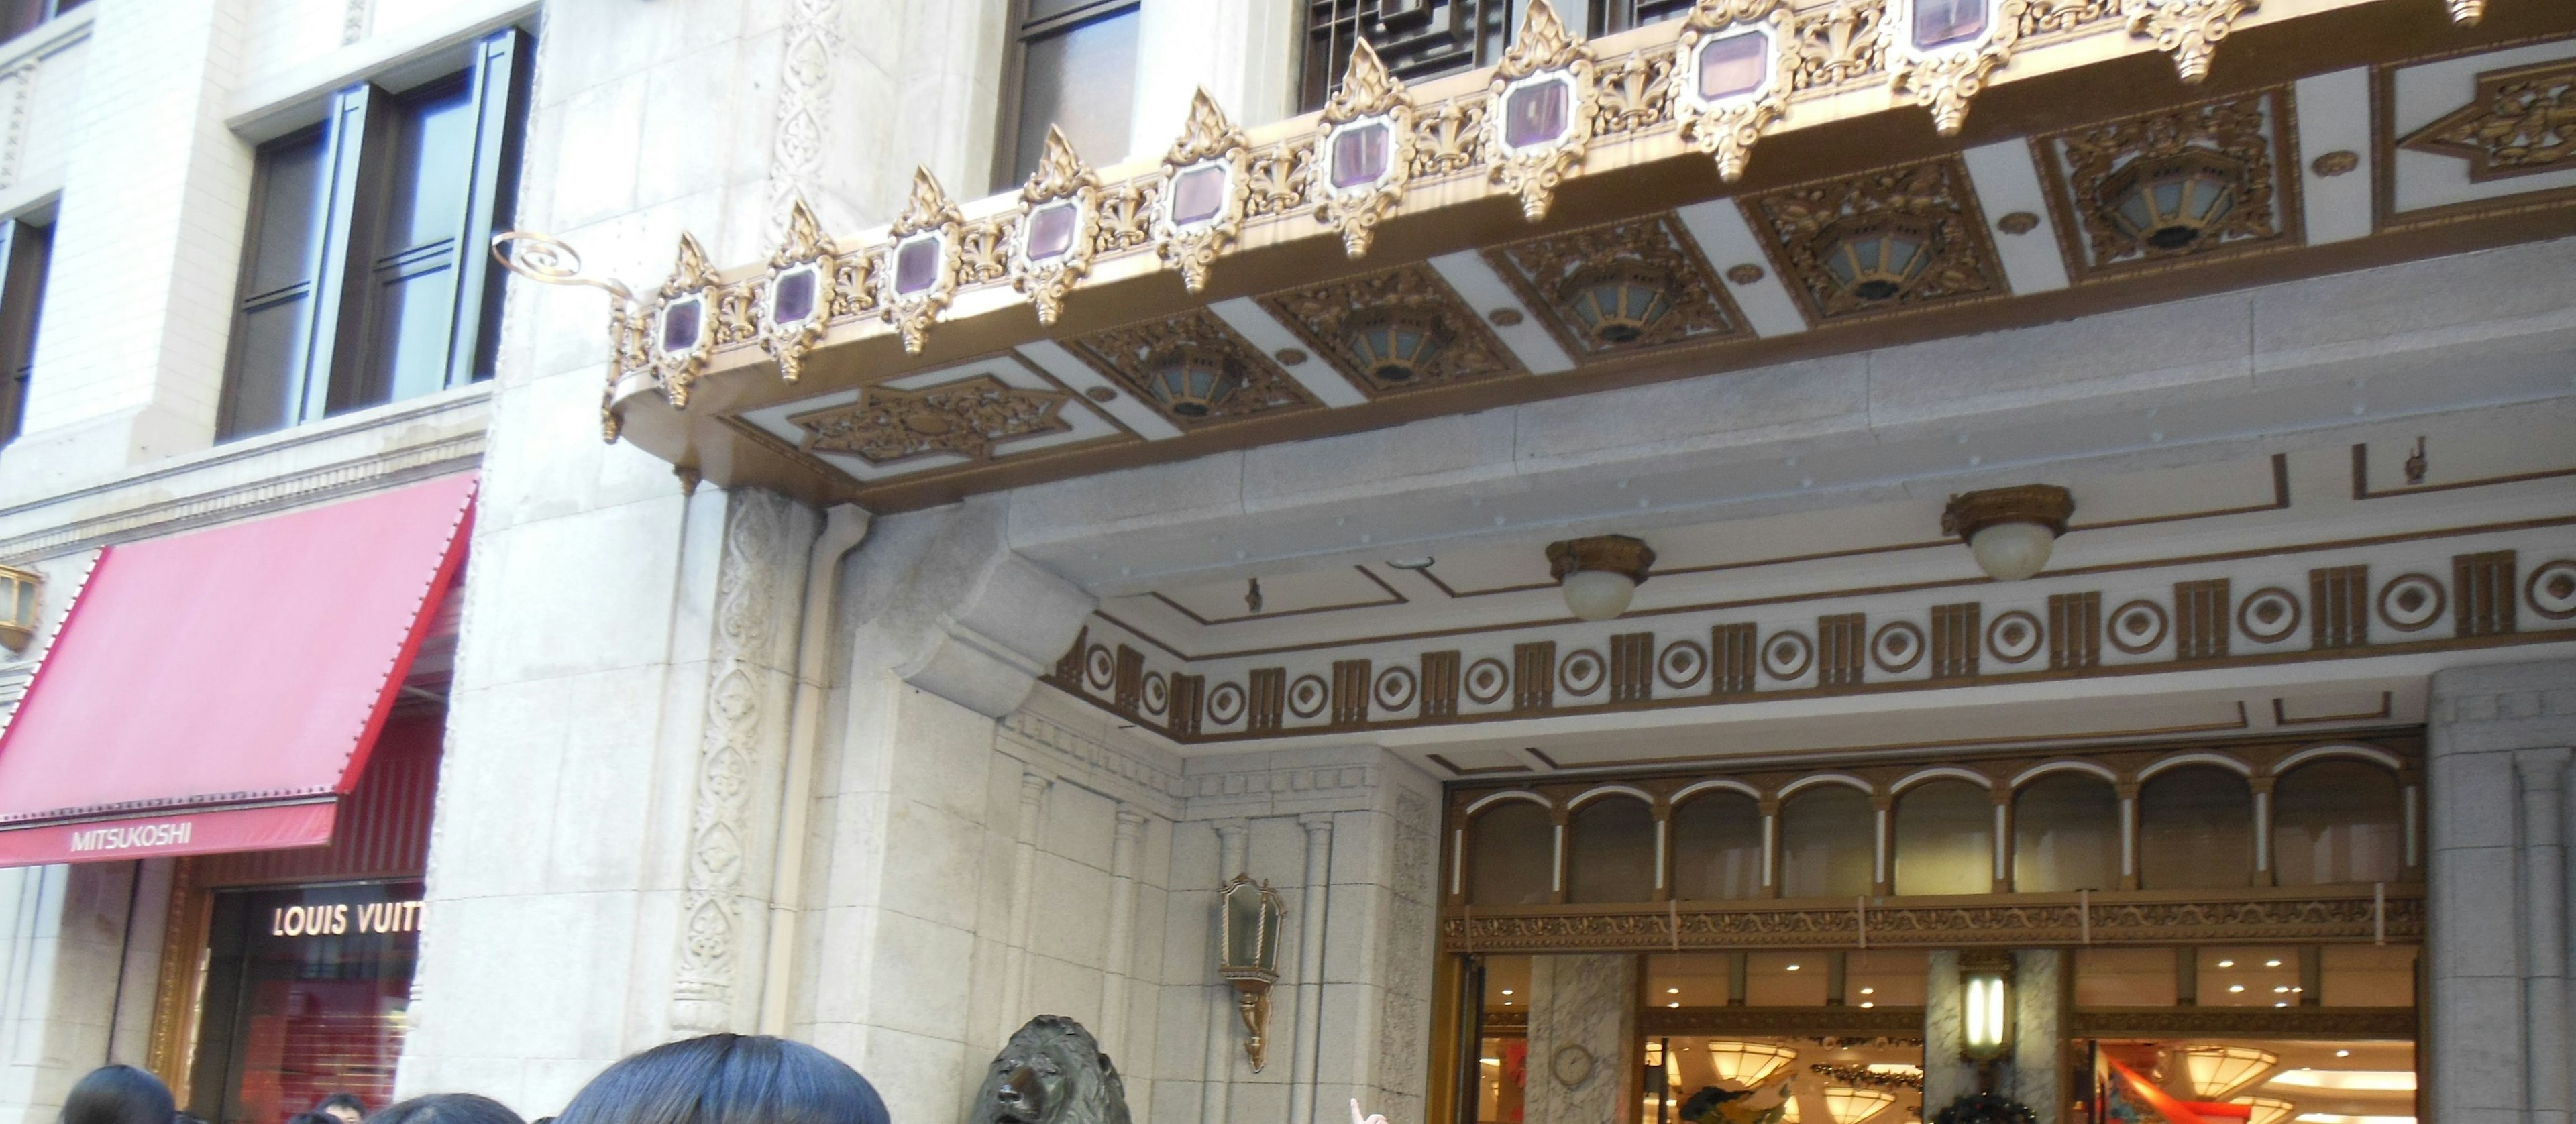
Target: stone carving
911, 302
1581, 1015
1051, 1072
1278, 179
804, 96
964, 418
1061, 178
1532, 170
1840, 43
2520, 122
1210, 145
1370, 99
1946, 78
2189, 30
1450, 139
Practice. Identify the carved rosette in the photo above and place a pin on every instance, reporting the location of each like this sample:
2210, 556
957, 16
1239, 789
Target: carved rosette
804, 265
1947, 77
1371, 101
1725, 127
1062, 180
679, 327
912, 299
1185, 237
1544, 52
964, 418
2189, 30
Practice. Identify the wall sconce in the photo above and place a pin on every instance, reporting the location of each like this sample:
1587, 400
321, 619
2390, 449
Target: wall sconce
1599, 574
2009, 530
18, 606
1248, 916
1985, 1005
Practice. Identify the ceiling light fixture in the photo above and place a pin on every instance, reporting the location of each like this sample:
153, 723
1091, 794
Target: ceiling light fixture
1396, 346
2171, 203
2266, 1110
1599, 574
2216, 1072
1850, 1104
1747, 1064
1876, 258
1193, 381
1619, 302
2010, 530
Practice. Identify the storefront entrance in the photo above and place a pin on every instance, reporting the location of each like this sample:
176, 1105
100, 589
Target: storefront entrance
305, 995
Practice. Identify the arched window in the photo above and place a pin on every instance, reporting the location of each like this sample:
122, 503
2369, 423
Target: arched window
1511, 856
2337, 820
2196, 829
1828, 843
2066, 834
1945, 839
1610, 851
1717, 847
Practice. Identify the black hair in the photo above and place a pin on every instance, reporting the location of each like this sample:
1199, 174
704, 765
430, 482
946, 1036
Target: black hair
727, 1079
341, 1100
441, 1108
312, 1118
119, 1094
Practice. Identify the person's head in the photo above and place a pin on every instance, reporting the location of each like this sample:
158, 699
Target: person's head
444, 1108
119, 1094
727, 1079
345, 1107
312, 1118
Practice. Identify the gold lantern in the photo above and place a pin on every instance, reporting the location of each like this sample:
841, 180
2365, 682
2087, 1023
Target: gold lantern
1248, 916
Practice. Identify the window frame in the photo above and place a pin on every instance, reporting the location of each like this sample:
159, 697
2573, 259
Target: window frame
26, 260
1025, 30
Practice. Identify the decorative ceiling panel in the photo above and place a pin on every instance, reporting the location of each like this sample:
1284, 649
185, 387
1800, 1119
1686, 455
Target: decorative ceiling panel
954, 418
2476, 134
1393, 331
1882, 242
1194, 368
2193, 183
1634, 285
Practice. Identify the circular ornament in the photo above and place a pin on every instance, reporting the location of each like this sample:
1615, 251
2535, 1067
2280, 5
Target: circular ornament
1786, 654
1101, 394
1504, 317
1099, 668
1486, 680
1225, 704
1307, 696
2268, 615
1395, 687
1158, 693
2138, 626
2551, 590
2013, 637
1897, 647
1682, 664
1291, 356
1580, 672
1571, 1065
2412, 602
1744, 273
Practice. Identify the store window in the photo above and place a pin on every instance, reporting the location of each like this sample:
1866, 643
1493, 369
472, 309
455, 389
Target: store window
2196, 829
1717, 847
1945, 839
1073, 67
365, 276
1514, 855
26, 253
2337, 820
2066, 834
1502, 1038
2260, 1080
1827, 843
1610, 851
305, 995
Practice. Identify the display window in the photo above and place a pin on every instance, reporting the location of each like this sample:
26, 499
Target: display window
305, 995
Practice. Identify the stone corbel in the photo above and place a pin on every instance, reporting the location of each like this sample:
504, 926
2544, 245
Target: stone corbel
955, 612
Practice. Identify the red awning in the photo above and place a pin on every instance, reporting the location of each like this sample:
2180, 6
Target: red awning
220, 691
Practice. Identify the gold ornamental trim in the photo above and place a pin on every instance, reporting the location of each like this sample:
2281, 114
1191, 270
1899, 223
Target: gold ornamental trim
689, 292
1946, 78
1061, 178
1970, 512
1727, 129
2189, 30
1209, 141
1544, 52
803, 249
928, 214
1616, 554
1370, 97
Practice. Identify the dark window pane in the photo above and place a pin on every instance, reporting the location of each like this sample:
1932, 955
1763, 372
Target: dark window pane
1082, 80
416, 305
1610, 852
289, 214
1717, 847
19, 16
431, 183
1418, 39
289, 194
1512, 855
2196, 829
1619, 15
1945, 839
22, 302
2337, 821
433, 167
2066, 834
1827, 846
262, 393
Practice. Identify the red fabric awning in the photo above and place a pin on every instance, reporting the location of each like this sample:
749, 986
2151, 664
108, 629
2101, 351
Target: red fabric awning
220, 691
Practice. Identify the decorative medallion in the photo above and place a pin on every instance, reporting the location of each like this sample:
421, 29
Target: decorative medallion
922, 276
1192, 367
1682, 664
2268, 615
1839, 43
1059, 214
1581, 672
1368, 140
1632, 285
2138, 626
1540, 120
1787, 655
1486, 680
1204, 182
796, 296
1883, 241
965, 418
2014, 637
2200, 179
1897, 647
2412, 602
2189, 30
1099, 668
1737, 60
1158, 692
1393, 331
2018, 223
1395, 688
1224, 704
2551, 589
1942, 51
2342, 161
682, 330
2520, 122
1307, 696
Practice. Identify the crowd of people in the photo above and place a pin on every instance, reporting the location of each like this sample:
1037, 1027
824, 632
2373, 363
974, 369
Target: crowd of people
717, 1079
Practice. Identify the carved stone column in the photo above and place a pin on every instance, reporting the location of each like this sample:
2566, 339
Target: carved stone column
742, 747
1310, 962
1120, 960
1024, 866
1582, 1014
1225, 1038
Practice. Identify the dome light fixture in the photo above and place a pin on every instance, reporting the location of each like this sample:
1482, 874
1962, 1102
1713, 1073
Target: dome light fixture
2266, 1110
1193, 381
1618, 303
1747, 1064
2173, 203
1876, 258
2215, 1072
2010, 530
1599, 574
1396, 347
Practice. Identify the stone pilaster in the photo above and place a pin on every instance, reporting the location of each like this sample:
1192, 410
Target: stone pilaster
1583, 1013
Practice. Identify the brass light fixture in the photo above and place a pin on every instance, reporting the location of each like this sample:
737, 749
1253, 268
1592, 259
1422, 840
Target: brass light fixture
1876, 258
1395, 347
18, 607
1193, 381
1619, 302
1248, 915
2171, 203
1985, 1005
1599, 574
2218, 1071
2010, 530
1747, 1064
1851, 1104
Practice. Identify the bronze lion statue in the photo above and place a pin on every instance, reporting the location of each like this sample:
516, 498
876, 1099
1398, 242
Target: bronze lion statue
1052, 1072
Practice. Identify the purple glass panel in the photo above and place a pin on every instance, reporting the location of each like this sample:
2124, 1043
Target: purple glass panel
1359, 155
1051, 231
1535, 114
916, 266
794, 301
680, 324
1198, 194
1941, 22
1732, 65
